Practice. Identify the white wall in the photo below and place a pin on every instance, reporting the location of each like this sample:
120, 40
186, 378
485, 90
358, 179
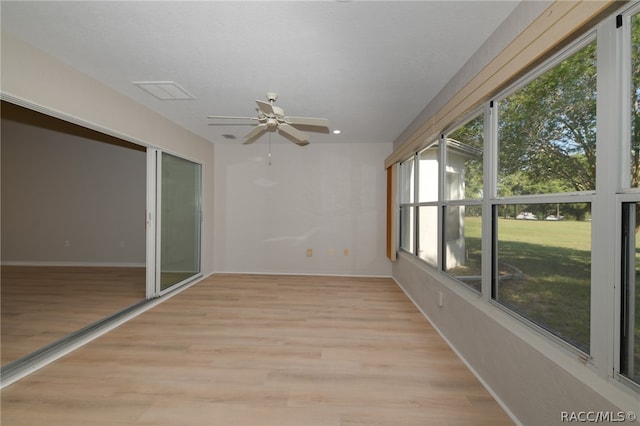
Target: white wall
67, 199
325, 197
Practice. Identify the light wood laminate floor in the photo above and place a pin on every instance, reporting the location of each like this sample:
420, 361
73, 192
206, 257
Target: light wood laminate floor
41, 304
240, 350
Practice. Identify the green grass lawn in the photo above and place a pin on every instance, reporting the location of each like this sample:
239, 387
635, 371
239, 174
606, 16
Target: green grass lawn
554, 288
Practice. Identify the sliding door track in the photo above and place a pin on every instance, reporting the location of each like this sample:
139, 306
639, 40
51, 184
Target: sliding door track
26, 365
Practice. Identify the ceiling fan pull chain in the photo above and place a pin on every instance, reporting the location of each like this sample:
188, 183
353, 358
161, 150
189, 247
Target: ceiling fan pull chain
269, 148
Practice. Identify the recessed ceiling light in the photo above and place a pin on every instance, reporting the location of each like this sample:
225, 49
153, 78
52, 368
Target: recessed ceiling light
164, 90
336, 132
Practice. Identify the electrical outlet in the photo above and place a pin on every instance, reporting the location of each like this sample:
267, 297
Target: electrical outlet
67, 243
309, 252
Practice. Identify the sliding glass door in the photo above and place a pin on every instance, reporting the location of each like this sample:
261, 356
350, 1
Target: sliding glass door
174, 217
174, 236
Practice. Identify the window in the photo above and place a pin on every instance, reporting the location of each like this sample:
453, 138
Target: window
543, 267
428, 188
629, 327
630, 294
547, 130
407, 205
462, 252
428, 232
407, 182
546, 147
635, 102
463, 244
464, 161
407, 230
428, 172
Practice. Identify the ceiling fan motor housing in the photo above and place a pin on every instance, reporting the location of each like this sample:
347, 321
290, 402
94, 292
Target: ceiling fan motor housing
272, 123
272, 97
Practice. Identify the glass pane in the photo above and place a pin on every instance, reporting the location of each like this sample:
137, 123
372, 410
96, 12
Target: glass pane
180, 233
630, 333
463, 245
406, 229
544, 267
407, 181
635, 101
428, 231
464, 161
547, 131
428, 174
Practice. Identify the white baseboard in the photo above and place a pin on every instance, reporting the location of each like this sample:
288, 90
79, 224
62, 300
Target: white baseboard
78, 264
315, 274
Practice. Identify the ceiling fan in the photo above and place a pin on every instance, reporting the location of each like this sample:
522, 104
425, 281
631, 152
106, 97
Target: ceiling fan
271, 118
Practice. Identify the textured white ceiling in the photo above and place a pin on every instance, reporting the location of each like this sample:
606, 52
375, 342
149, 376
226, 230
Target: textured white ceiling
369, 67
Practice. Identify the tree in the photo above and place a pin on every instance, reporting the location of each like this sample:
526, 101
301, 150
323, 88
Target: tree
635, 102
547, 131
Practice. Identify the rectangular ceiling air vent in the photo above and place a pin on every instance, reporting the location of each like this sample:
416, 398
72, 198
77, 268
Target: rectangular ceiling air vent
164, 90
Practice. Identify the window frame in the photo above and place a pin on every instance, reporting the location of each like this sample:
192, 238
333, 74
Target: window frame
496, 200
624, 193
447, 202
621, 298
407, 204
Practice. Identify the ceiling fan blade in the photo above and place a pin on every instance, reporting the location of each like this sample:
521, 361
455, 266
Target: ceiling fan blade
226, 117
258, 131
265, 107
307, 121
230, 124
298, 137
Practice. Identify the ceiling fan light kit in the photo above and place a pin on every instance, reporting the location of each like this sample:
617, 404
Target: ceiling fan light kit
272, 118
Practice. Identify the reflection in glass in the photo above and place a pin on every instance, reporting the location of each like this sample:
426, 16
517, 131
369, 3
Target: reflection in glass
428, 234
406, 229
180, 218
544, 267
630, 312
428, 173
463, 246
464, 161
407, 181
635, 101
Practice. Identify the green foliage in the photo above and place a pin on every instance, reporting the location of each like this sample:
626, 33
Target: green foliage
635, 102
547, 130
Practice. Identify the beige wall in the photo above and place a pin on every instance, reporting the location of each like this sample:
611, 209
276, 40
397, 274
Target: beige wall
69, 199
325, 197
34, 79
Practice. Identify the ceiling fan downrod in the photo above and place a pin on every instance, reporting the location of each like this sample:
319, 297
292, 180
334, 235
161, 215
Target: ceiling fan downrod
272, 97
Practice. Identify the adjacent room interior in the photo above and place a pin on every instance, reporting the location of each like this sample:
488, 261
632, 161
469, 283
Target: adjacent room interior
73, 235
